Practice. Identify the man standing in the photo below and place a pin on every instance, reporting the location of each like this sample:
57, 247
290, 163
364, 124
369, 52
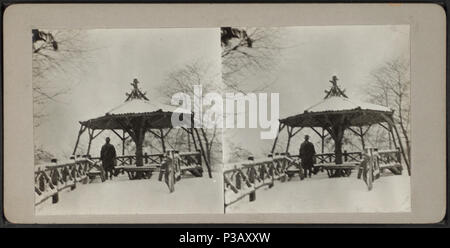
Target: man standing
108, 157
307, 153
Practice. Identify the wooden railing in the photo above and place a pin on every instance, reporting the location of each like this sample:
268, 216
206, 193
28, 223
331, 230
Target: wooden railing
389, 157
244, 178
376, 161
188, 158
330, 157
175, 164
391, 160
123, 160
186, 161
54, 177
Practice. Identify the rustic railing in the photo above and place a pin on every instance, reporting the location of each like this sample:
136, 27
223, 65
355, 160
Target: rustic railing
183, 161
54, 177
322, 158
123, 160
390, 160
175, 164
389, 157
244, 178
188, 162
376, 161
189, 158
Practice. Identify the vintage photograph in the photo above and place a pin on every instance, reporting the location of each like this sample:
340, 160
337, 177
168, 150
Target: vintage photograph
103, 135
211, 115
340, 98
307, 119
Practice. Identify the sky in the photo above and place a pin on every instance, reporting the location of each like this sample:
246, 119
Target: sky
119, 56
312, 55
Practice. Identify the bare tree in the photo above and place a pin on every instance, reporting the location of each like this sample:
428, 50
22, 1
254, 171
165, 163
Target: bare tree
42, 156
390, 87
235, 152
246, 51
56, 54
183, 80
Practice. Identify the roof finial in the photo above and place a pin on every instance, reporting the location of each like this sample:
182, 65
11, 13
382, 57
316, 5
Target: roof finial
335, 90
136, 93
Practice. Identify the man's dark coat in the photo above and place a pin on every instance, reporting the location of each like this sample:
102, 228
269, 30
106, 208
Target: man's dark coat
108, 156
307, 153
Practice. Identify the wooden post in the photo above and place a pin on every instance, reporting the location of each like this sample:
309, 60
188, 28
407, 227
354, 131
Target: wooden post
189, 142
339, 133
390, 139
238, 181
123, 142
55, 198
163, 145
345, 156
145, 158
289, 131
252, 195
363, 144
368, 173
403, 151
138, 135
54, 180
393, 137
203, 153
91, 137
280, 127
322, 137
193, 138
392, 126
80, 132
139, 143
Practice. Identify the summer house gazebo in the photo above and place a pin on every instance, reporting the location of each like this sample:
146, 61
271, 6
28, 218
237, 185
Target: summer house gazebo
136, 116
337, 113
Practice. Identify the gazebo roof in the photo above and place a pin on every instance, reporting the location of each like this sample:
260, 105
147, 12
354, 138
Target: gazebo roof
136, 106
337, 105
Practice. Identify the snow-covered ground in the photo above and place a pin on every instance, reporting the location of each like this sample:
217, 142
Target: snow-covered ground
321, 194
123, 196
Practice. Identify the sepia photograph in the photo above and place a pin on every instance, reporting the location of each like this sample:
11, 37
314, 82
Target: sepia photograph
339, 119
103, 136
187, 114
264, 120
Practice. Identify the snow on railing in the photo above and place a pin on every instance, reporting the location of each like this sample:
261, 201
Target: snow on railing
123, 160
244, 178
54, 177
391, 160
330, 157
157, 158
376, 161
174, 164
